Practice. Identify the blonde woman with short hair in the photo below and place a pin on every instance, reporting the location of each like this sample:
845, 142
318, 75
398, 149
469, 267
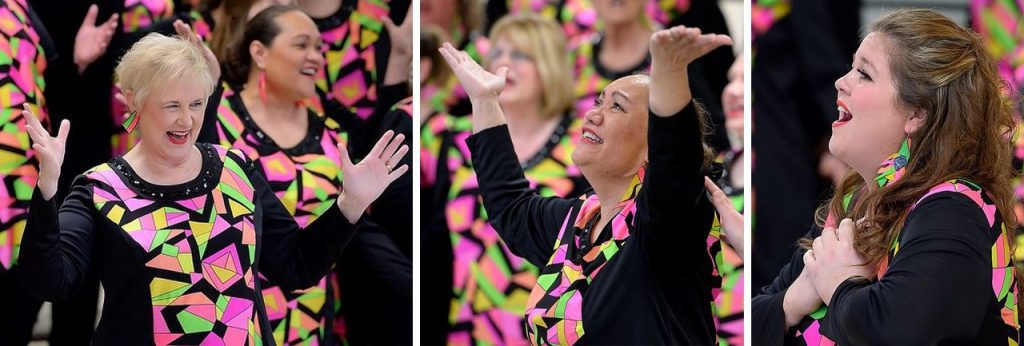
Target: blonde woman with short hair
178, 231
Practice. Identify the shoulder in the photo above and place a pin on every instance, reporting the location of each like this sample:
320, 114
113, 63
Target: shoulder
957, 209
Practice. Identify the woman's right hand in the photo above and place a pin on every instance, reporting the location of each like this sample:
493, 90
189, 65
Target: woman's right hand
479, 84
49, 151
801, 299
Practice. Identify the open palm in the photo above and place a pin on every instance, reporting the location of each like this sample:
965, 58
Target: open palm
92, 40
680, 46
478, 83
365, 181
49, 151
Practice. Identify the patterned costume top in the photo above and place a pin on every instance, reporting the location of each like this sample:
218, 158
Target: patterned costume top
490, 285
139, 14
729, 303
953, 229
350, 72
22, 62
579, 17
649, 266
306, 178
179, 263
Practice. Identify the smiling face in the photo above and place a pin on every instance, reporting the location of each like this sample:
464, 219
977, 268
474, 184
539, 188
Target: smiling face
171, 116
292, 59
870, 124
732, 102
614, 141
523, 84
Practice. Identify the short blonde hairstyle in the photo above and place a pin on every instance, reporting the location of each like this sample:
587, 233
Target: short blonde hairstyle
542, 39
156, 59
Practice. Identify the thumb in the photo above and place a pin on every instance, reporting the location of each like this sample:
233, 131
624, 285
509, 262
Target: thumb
503, 72
90, 16
346, 162
390, 25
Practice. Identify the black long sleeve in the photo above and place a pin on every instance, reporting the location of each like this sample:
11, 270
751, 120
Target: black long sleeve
675, 183
769, 319
58, 247
937, 289
527, 223
291, 257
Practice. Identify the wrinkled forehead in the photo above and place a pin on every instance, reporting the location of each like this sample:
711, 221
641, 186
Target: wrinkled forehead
634, 87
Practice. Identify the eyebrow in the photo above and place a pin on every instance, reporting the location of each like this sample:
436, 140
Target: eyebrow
622, 95
865, 61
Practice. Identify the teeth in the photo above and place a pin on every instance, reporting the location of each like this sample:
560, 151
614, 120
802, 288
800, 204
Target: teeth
308, 71
593, 137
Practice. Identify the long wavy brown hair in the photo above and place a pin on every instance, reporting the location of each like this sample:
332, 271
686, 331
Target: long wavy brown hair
943, 69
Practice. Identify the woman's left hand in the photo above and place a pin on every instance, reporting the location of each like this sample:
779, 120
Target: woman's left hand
834, 260
186, 32
362, 183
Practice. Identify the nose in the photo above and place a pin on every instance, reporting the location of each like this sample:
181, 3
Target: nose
315, 55
594, 117
841, 85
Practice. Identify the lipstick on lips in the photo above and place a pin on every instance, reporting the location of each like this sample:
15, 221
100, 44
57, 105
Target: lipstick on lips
844, 114
178, 137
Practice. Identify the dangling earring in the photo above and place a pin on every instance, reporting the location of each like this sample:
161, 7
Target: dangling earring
893, 168
263, 85
130, 122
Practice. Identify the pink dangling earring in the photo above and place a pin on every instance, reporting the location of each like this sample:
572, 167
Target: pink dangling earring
263, 86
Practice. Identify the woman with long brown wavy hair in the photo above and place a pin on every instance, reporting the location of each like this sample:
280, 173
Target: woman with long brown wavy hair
928, 259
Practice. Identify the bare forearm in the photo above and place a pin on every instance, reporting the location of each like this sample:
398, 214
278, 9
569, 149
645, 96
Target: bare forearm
670, 88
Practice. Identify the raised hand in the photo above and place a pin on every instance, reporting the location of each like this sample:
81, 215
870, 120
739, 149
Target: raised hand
400, 35
49, 151
186, 32
680, 46
479, 84
92, 40
672, 50
364, 182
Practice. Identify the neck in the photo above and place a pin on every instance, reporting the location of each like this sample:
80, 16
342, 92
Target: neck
528, 128
609, 190
217, 14
319, 8
626, 35
161, 170
284, 109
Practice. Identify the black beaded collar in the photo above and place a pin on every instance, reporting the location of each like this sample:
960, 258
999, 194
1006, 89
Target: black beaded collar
207, 179
553, 141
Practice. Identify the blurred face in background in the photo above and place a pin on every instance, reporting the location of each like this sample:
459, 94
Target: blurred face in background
523, 85
619, 12
732, 102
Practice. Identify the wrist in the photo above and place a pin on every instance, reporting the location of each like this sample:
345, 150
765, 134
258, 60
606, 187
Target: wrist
350, 207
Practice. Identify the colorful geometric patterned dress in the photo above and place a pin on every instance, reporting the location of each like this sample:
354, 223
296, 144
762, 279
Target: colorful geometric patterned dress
350, 36
647, 279
179, 263
729, 303
22, 62
949, 277
490, 284
306, 178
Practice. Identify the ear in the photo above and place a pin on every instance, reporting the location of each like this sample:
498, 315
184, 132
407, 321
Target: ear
129, 96
258, 51
915, 121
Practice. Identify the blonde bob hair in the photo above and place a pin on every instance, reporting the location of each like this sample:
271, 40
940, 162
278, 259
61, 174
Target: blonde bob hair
542, 39
157, 59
